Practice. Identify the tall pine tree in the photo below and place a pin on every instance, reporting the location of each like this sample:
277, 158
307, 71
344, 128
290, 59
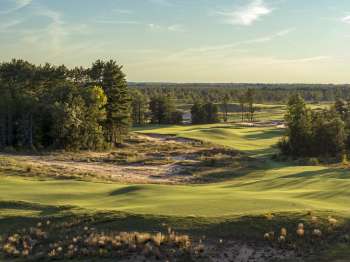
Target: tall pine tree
118, 102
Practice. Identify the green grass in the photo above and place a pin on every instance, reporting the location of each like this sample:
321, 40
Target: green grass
277, 189
280, 188
252, 139
231, 207
273, 188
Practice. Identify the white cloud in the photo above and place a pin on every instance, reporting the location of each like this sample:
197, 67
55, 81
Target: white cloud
285, 31
346, 19
154, 27
177, 28
246, 15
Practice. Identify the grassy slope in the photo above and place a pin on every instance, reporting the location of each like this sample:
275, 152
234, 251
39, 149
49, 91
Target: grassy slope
252, 139
243, 196
274, 188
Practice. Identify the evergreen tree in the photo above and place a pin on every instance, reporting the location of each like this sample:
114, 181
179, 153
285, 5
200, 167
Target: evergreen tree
162, 108
298, 120
206, 113
225, 107
139, 107
49, 106
94, 117
249, 98
198, 114
242, 102
328, 134
118, 102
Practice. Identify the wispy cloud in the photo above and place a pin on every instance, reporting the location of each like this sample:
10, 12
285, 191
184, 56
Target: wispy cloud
53, 34
257, 40
246, 15
297, 60
285, 31
117, 22
177, 28
55, 28
6, 26
16, 5
346, 19
163, 28
221, 53
154, 27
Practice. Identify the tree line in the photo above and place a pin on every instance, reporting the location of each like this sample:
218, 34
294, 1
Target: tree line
316, 133
216, 93
47, 106
51, 106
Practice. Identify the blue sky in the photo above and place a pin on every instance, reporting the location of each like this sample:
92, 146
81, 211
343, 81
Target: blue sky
186, 40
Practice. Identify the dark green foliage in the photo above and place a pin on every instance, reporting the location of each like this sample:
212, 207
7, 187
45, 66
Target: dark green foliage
263, 93
328, 134
204, 113
139, 106
249, 98
49, 106
225, 107
314, 134
163, 111
298, 120
118, 102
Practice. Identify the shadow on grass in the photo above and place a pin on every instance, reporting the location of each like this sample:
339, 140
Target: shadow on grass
245, 229
265, 134
149, 127
12, 216
338, 173
44, 210
125, 190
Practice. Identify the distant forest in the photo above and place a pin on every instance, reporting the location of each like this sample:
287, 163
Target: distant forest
264, 93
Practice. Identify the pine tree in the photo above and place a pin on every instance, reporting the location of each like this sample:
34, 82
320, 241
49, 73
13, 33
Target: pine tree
139, 107
299, 133
225, 106
118, 102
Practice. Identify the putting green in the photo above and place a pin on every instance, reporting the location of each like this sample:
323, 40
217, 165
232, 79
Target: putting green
249, 139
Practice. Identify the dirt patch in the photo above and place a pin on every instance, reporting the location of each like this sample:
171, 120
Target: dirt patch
142, 159
243, 252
